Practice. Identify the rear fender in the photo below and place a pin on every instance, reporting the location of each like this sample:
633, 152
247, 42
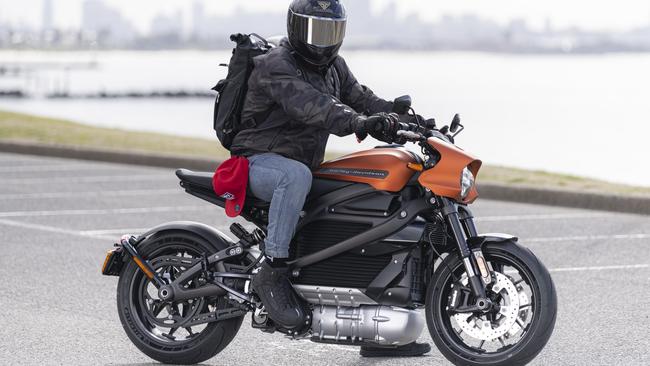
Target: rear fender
116, 258
213, 236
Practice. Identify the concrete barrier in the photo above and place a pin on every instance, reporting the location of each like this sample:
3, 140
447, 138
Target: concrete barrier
524, 194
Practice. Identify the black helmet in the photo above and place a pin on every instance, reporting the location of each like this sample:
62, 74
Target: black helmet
316, 29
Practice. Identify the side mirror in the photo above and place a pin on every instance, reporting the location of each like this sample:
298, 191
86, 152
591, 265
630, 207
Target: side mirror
455, 123
402, 104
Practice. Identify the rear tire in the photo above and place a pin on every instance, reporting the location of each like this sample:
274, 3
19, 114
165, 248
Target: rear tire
533, 337
196, 348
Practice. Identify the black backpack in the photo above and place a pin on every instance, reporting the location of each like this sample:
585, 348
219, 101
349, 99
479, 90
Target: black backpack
232, 90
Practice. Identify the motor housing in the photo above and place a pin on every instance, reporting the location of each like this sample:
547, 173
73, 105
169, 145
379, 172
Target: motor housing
380, 325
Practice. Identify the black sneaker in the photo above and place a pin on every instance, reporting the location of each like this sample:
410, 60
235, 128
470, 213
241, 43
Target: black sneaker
273, 287
409, 350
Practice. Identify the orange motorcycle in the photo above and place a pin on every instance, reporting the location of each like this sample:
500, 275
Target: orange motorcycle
386, 241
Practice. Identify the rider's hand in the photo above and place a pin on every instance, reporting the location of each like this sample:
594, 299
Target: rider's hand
381, 126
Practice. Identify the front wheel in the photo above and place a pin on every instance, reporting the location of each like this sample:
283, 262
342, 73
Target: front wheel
519, 326
160, 329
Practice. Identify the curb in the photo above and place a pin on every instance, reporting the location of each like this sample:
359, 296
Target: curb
523, 194
566, 198
109, 156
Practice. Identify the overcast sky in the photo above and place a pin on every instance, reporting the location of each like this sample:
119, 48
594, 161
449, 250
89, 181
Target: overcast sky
588, 14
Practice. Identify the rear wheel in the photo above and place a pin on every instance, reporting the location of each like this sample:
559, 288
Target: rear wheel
516, 331
158, 328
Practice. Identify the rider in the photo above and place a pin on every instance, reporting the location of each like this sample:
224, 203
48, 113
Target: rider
299, 94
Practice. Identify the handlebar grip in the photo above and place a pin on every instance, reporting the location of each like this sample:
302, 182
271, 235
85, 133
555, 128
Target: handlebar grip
410, 135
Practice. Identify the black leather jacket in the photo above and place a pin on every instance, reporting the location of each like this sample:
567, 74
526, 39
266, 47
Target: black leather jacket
294, 107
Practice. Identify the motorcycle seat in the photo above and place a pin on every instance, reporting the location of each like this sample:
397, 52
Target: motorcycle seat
202, 181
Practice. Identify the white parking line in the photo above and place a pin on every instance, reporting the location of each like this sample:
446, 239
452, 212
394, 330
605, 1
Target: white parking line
104, 235
50, 229
56, 168
556, 216
122, 193
587, 238
92, 179
601, 268
114, 211
140, 230
101, 233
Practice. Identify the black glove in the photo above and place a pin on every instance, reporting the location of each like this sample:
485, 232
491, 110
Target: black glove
381, 126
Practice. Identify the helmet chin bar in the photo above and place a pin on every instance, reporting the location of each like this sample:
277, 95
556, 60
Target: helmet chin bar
317, 56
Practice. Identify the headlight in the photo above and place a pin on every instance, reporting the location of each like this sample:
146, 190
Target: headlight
466, 182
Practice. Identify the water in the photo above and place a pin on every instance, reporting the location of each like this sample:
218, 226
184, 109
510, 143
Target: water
582, 115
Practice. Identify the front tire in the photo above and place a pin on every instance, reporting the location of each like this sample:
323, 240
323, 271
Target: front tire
137, 305
478, 339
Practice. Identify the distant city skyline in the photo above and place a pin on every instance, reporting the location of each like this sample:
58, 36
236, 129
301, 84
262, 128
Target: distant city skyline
587, 14
373, 24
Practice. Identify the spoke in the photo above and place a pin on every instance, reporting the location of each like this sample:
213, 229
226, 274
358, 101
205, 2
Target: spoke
526, 306
174, 310
502, 342
480, 346
518, 282
520, 323
170, 335
147, 296
157, 307
189, 330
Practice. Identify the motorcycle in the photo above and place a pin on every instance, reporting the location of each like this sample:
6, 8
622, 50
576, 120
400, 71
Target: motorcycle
386, 243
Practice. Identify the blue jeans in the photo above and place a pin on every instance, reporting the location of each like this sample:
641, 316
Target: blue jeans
285, 183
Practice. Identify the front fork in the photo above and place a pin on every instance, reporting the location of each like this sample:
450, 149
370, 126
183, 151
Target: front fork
478, 271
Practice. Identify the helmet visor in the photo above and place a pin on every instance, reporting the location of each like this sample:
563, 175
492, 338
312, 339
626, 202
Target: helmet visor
317, 31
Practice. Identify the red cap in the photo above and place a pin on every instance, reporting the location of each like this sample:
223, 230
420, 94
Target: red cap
230, 182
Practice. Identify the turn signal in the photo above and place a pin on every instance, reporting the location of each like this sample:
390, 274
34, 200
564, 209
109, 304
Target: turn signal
416, 167
144, 268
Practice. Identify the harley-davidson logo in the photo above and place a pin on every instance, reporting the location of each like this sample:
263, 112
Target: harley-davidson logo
324, 4
228, 196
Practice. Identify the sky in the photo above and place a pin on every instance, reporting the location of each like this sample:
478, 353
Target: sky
606, 15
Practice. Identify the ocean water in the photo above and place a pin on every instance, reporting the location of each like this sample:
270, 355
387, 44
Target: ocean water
586, 115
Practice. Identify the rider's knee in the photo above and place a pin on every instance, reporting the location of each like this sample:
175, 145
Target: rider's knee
299, 178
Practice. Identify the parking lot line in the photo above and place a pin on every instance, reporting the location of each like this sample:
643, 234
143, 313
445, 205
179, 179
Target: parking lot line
601, 268
56, 168
103, 234
113, 231
555, 216
87, 179
121, 193
587, 238
111, 211
49, 229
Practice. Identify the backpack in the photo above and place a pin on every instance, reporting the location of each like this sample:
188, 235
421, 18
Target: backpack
231, 91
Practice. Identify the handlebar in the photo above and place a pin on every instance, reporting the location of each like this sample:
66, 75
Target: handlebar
411, 132
410, 135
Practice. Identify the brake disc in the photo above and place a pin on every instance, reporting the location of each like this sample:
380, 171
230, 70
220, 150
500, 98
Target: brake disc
504, 323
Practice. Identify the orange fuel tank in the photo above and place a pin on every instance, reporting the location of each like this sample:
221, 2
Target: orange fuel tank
385, 169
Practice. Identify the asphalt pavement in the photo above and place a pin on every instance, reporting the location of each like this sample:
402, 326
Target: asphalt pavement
59, 217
